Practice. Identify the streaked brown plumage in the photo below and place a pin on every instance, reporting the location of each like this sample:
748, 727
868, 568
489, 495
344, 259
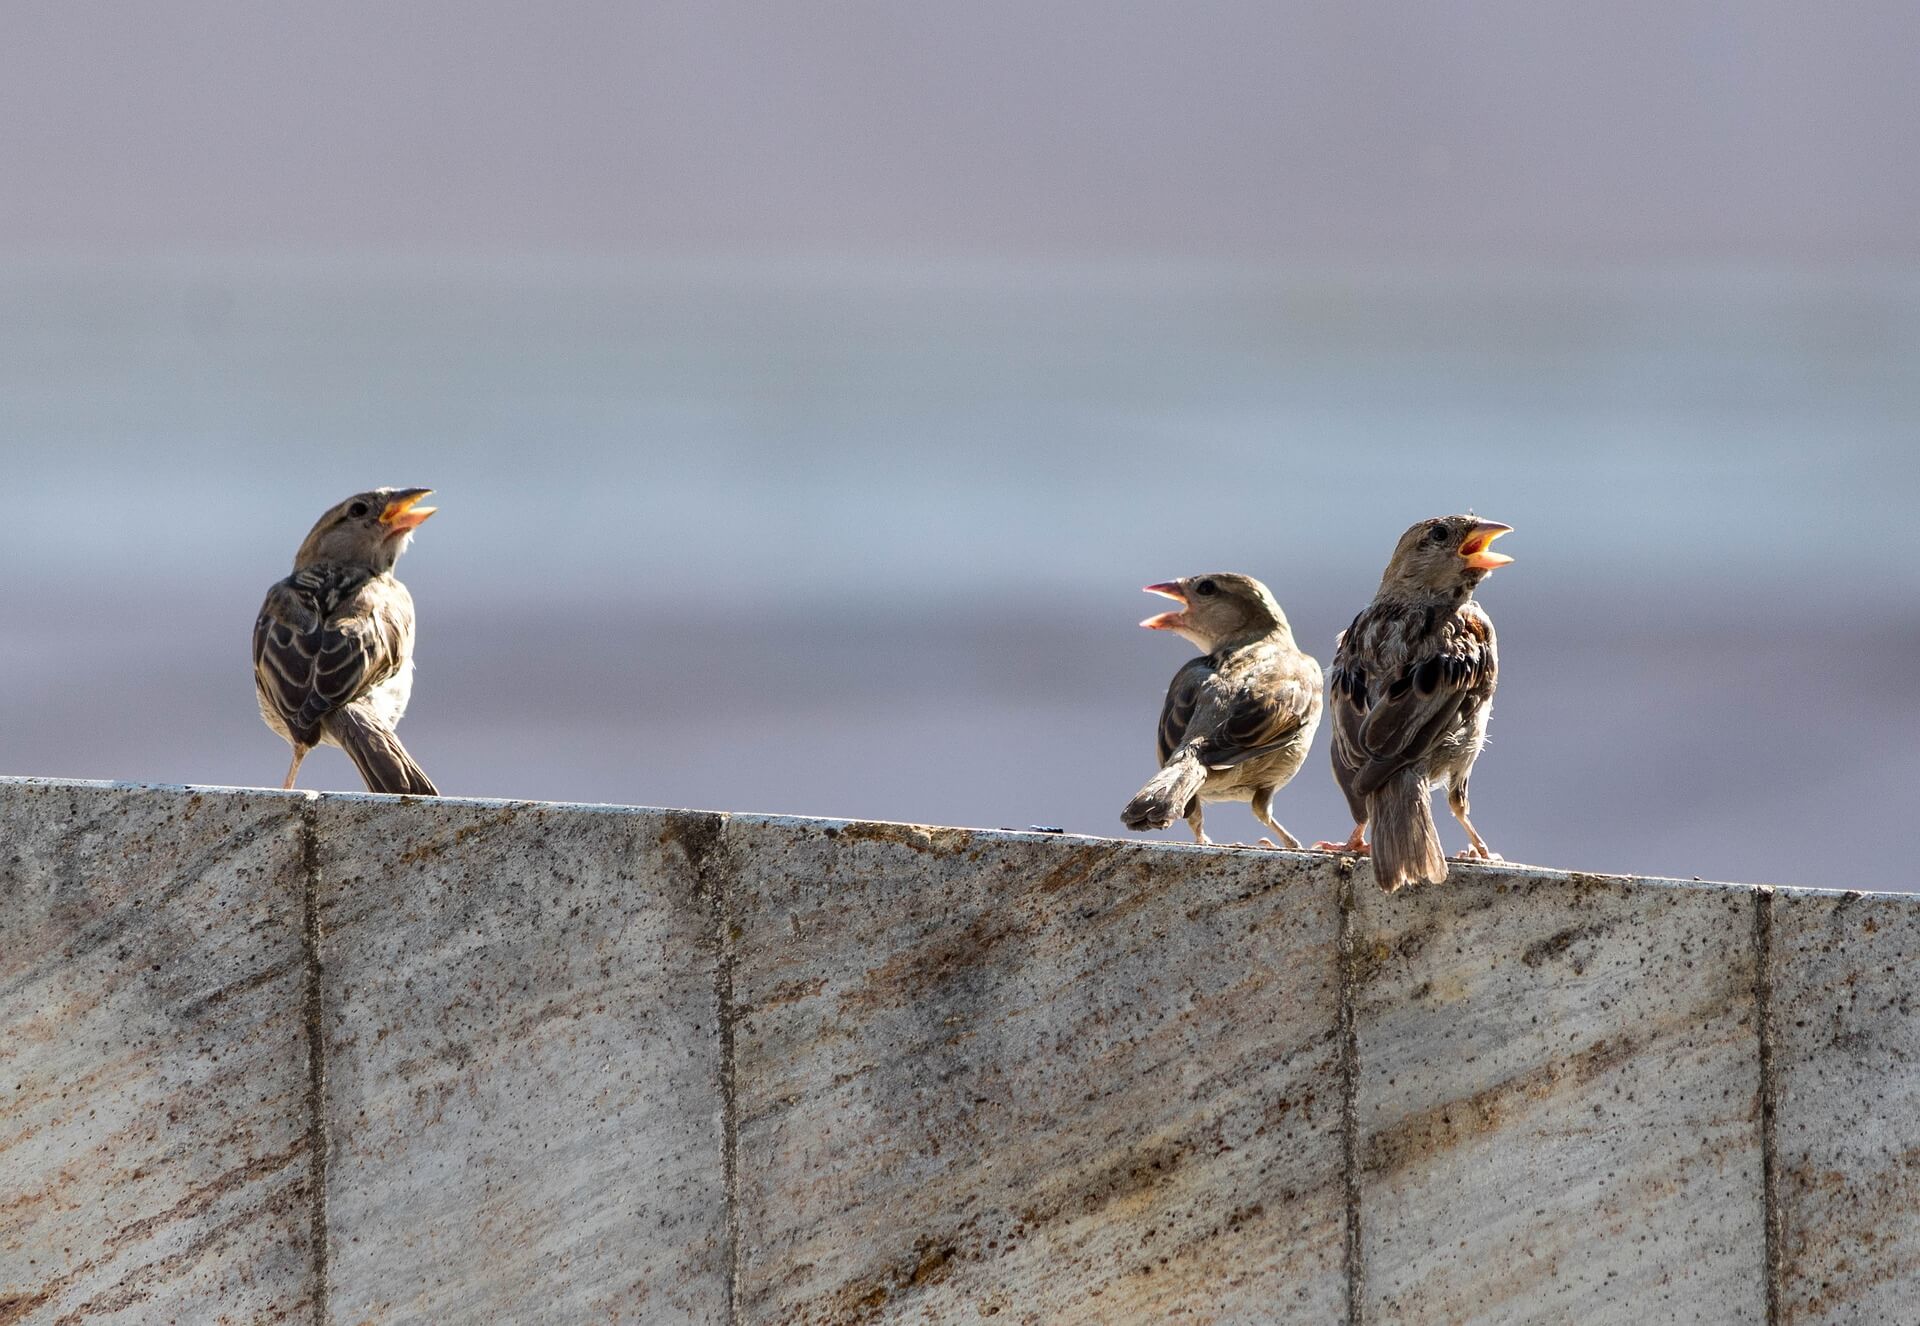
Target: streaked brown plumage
1411, 689
333, 645
1239, 719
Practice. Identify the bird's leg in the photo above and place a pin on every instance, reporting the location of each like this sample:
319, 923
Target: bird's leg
1457, 803
1193, 822
1263, 811
293, 770
1353, 844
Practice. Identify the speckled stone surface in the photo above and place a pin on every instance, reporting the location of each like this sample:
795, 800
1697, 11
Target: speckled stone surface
1846, 1023
1558, 1102
523, 1085
153, 1068
588, 1064
1038, 1081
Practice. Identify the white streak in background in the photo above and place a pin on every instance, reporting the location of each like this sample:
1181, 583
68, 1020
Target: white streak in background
986, 430
856, 541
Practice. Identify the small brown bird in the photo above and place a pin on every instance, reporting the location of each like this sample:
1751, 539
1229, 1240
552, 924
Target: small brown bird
1411, 689
1237, 720
333, 645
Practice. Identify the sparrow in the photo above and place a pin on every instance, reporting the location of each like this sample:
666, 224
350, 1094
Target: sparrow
333, 645
1238, 720
1410, 692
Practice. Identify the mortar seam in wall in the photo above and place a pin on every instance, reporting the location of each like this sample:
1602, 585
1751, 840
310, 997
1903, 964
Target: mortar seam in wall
1769, 1084
312, 1017
718, 868
1350, 1089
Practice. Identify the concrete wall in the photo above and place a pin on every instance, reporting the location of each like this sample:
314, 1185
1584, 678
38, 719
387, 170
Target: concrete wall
277, 1057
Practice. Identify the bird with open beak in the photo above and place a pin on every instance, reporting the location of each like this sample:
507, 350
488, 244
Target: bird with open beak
333, 645
1239, 719
1410, 692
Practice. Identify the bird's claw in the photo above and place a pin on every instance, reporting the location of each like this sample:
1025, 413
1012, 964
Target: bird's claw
1346, 849
1469, 854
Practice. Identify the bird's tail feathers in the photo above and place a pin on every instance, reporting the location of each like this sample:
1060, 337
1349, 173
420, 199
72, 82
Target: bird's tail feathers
1406, 844
378, 754
1167, 794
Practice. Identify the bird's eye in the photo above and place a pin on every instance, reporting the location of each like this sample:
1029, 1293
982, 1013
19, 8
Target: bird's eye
357, 510
1204, 588
1437, 534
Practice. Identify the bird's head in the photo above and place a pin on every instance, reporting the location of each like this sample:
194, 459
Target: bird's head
369, 529
1444, 557
1217, 609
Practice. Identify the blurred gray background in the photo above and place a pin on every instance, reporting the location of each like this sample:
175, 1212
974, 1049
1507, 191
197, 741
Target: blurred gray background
808, 390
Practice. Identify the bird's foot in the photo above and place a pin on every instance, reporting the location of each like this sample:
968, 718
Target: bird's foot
1287, 840
1349, 847
1477, 854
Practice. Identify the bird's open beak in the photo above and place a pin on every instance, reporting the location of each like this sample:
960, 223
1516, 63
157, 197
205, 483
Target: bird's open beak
1165, 621
1478, 555
403, 515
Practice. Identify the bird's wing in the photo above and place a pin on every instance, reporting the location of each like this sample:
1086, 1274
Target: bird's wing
1347, 756
1384, 723
324, 637
1346, 708
1232, 710
1183, 693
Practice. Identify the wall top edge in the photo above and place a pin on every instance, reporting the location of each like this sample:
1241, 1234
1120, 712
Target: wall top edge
891, 829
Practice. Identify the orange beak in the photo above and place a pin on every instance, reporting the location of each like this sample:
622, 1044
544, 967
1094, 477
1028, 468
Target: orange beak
1165, 621
1475, 549
403, 515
